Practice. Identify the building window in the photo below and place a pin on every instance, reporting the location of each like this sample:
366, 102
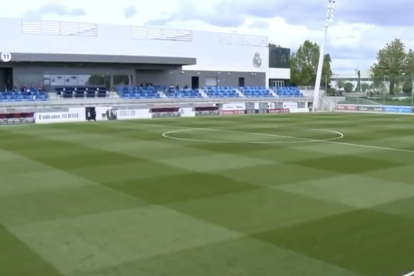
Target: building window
57, 80
46, 79
71, 80
88, 80
121, 80
279, 57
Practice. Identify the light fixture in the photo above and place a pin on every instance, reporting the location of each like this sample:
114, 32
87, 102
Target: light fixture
328, 23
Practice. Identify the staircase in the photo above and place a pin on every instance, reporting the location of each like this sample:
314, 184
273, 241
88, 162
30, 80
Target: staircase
273, 93
113, 95
328, 103
203, 94
53, 96
162, 95
238, 92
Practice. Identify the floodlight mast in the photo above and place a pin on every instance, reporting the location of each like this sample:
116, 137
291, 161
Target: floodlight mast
328, 23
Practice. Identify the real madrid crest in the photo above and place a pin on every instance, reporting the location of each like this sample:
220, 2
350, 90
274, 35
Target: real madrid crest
257, 60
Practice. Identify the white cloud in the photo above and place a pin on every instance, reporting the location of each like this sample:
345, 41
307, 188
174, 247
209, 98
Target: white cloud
351, 44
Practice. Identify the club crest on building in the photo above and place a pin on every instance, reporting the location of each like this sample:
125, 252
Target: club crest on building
257, 60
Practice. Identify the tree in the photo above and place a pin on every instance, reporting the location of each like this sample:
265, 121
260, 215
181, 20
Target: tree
304, 65
408, 86
391, 62
340, 84
272, 45
364, 87
348, 87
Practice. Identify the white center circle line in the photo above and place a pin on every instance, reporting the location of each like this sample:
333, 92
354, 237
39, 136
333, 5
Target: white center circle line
304, 140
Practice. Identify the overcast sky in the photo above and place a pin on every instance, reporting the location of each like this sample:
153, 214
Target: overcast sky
360, 28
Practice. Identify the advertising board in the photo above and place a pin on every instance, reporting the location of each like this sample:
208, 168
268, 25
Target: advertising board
299, 110
279, 110
16, 118
347, 107
290, 105
187, 112
233, 112
59, 117
127, 114
234, 106
371, 108
398, 109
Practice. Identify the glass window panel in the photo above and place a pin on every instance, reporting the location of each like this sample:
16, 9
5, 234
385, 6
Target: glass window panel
57, 80
71, 80
89, 80
46, 79
121, 80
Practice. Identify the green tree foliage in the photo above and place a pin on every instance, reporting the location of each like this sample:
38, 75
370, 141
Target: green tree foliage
392, 62
274, 45
364, 87
340, 84
408, 86
348, 87
304, 65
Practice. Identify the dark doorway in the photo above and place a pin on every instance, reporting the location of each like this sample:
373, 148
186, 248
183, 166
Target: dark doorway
241, 82
195, 82
107, 83
90, 113
6, 79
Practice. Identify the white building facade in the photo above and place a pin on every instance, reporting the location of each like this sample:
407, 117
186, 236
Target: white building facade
53, 53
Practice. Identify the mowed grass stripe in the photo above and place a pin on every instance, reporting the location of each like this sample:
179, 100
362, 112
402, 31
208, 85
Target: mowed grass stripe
208, 183
17, 259
268, 213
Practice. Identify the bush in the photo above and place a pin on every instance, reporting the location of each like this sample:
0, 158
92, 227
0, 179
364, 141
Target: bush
407, 86
365, 87
348, 87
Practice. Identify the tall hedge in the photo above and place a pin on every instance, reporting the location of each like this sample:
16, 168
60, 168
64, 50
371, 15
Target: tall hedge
348, 87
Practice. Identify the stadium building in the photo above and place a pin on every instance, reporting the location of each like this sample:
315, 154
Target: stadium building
54, 54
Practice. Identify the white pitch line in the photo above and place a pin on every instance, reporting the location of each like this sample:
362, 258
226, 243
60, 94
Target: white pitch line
275, 135
409, 274
304, 140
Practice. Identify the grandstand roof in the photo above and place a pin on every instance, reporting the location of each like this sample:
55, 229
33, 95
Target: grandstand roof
42, 57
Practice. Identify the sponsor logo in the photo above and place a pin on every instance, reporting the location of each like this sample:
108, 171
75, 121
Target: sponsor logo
370, 108
63, 116
346, 107
232, 112
182, 111
127, 113
397, 109
257, 60
279, 110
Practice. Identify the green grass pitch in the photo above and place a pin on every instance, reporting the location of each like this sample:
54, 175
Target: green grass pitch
260, 195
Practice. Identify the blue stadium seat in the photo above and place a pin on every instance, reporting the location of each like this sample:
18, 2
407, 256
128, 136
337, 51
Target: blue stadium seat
220, 92
133, 92
28, 95
255, 92
183, 93
288, 92
81, 91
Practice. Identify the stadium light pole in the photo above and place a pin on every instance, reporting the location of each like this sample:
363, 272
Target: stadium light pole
328, 23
